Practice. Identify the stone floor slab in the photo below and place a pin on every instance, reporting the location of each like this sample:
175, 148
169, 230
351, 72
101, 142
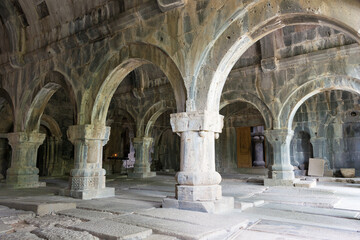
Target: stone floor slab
179, 229
302, 218
19, 235
86, 214
312, 210
228, 221
63, 233
40, 208
107, 229
304, 231
5, 228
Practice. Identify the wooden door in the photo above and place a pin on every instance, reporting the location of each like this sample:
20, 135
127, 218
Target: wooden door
243, 146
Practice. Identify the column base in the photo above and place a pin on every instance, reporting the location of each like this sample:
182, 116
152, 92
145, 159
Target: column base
198, 193
142, 175
270, 182
221, 205
88, 194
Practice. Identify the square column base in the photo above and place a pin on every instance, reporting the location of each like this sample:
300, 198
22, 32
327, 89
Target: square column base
221, 205
88, 194
270, 182
24, 185
142, 175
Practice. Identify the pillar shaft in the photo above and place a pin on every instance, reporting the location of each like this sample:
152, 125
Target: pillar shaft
281, 169
198, 183
23, 172
142, 155
87, 179
259, 150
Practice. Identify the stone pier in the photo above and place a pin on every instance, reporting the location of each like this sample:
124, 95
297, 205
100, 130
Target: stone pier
142, 165
23, 172
87, 179
198, 186
281, 172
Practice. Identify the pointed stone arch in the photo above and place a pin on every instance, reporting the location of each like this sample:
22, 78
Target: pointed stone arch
242, 96
52, 82
309, 89
132, 56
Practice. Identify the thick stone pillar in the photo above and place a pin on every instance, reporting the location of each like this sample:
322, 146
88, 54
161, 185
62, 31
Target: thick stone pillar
198, 186
281, 172
259, 150
87, 179
142, 166
23, 172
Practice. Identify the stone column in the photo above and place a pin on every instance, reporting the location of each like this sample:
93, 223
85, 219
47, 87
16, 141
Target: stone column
198, 186
142, 165
23, 172
281, 172
87, 179
259, 150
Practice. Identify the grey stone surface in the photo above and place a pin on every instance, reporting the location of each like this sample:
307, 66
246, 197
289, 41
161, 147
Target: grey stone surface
52, 221
5, 227
229, 221
302, 231
20, 235
39, 208
85, 214
174, 228
302, 218
113, 230
54, 233
313, 210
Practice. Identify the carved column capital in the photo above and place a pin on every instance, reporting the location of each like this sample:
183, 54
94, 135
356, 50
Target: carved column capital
197, 121
88, 132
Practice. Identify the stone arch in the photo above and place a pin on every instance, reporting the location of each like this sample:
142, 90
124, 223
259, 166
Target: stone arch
309, 89
51, 124
151, 115
248, 25
241, 96
16, 32
152, 120
132, 56
52, 82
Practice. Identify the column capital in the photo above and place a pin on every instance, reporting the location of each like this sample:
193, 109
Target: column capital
16, 138
197, 121
279, 135
88, 132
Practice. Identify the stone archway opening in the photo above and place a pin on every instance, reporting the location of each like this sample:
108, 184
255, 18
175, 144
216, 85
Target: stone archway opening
143, 97
242, 144
329, 121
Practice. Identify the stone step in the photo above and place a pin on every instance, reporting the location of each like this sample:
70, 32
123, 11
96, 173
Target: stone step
87, 215
303, 231
302, 218
317, 211
113, 230
39, 208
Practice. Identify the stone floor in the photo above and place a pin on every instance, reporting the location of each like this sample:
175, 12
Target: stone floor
331, 210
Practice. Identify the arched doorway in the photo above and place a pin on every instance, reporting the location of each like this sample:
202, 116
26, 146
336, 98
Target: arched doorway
242, 143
